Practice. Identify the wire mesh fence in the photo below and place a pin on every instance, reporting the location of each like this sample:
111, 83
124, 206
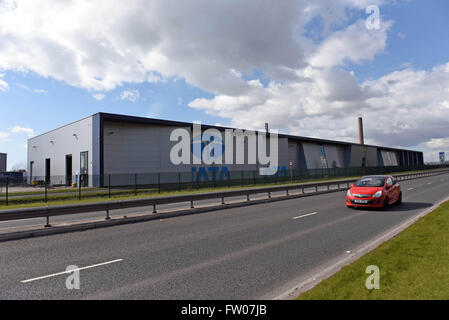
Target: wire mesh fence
60, 189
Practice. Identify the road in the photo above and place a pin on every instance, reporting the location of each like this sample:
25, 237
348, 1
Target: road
17, 225
250, 252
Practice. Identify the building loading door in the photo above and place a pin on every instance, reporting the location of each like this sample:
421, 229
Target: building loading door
84, 169
68, 170
47, 171
31, 171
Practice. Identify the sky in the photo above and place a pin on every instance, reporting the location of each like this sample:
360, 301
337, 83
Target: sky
308, 67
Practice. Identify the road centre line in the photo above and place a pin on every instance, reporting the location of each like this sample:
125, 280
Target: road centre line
70, 271
305, 215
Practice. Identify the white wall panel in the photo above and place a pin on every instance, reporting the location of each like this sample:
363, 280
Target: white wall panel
71, 139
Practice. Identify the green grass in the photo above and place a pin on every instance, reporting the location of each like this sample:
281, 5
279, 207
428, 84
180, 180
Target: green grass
30, 199
28, 202
49, 191
413, 265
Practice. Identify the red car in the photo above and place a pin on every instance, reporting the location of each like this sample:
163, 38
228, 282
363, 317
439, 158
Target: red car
374, 192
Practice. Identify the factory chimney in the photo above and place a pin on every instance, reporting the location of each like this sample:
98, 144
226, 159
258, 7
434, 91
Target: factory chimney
361, 139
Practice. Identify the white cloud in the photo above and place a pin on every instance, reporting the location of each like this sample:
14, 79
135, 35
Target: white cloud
131, 95
42, 91
441, 144
99, 96
19, 166
4, 135
355, 44
153, 77
405, 108
139, 41
19, 129
3, 84
211, 47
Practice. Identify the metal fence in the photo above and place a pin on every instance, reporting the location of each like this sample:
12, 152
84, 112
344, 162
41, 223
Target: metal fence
60, 188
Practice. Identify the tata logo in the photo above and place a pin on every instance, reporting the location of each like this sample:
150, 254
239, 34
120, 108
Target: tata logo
208, 148
199, 143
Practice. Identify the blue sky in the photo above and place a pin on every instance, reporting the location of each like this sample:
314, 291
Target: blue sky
38, 99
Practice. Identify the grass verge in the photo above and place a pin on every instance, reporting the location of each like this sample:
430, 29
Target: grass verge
67, 196
413, 265
28, 202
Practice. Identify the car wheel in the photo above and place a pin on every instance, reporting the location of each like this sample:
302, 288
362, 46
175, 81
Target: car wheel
385, 206
399, 199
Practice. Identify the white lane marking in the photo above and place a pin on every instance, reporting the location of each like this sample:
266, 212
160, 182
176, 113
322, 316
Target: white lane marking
429, 182
70, 271
410, 189
305, 215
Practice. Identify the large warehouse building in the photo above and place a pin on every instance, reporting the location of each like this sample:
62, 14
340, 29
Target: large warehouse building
104, 144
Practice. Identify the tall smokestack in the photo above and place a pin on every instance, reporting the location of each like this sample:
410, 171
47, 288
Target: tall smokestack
266, 127
361, 139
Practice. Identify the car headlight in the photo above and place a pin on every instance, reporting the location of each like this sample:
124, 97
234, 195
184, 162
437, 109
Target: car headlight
378, 194
349, 194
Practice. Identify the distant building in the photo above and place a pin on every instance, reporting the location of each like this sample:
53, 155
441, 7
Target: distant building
3, 163
104, 144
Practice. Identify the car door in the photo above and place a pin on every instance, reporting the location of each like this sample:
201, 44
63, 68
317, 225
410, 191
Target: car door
397, 189
390, 191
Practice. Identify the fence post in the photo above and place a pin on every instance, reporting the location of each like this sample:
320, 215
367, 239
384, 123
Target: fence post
109, 186
46, 184
159, 182
79, 187
48, 222
254, 177
241, 172
135, 184
179, 181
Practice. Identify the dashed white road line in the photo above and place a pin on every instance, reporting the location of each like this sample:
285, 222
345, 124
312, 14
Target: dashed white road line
305, 215
410, 189
70, 271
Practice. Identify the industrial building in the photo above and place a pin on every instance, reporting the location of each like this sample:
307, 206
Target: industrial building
3, 157
104, 144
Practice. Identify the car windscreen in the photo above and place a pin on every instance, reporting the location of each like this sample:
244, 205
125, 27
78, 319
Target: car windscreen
370, 182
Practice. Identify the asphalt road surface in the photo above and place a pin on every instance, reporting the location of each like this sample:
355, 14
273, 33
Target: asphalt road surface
249, 252
17, 225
